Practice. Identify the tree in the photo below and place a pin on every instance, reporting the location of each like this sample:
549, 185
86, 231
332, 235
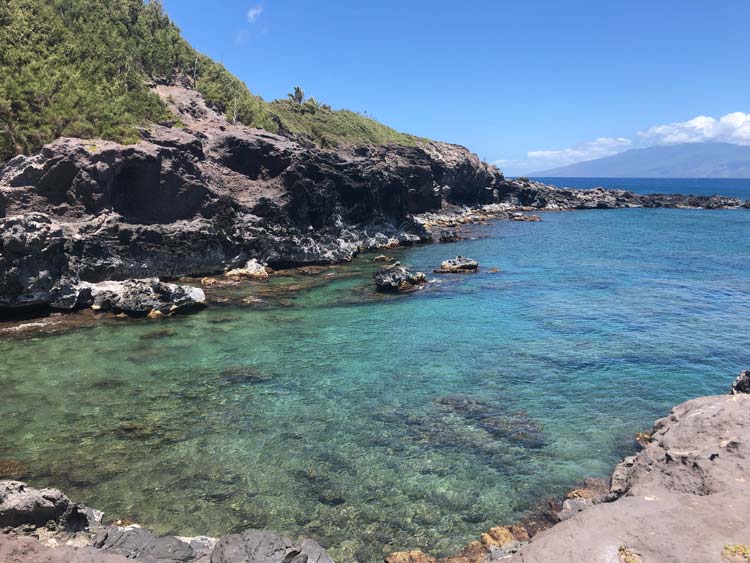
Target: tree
298, 96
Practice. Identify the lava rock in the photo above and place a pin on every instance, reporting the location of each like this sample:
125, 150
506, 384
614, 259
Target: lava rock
21, 504
458, 265
742, 383
256, 546
143, 297
449, 235
397, 278
253, 270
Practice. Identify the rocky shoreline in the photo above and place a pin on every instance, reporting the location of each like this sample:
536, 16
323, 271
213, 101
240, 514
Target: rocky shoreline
203, 196
683, 498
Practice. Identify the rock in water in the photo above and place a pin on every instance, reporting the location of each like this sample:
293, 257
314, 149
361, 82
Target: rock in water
20, 504
397, 278
253, 270
143, 297
741, 384
458, 265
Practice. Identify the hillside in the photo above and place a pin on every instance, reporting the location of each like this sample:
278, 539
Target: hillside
689, 160
84, 68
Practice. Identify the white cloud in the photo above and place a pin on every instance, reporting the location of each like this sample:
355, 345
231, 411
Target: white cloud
254, 12
730, 128
536, 161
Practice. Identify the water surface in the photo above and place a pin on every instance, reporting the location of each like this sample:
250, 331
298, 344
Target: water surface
373, 423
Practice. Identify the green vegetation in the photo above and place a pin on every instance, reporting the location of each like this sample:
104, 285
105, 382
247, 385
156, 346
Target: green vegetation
737, 552
82, 68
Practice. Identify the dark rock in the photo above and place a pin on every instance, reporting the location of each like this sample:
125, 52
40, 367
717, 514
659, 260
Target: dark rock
138, 543
397, 278
741, 384
449, 235
458, 265
254, 546
21, 504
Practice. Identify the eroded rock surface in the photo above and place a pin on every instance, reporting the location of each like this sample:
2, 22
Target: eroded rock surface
398, 279
683, 498
43, 525
458, 265
209, 197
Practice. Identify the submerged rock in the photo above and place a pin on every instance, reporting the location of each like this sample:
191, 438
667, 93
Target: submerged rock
397, 278
458, 265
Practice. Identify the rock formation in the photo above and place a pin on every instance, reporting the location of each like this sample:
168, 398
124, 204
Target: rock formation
398, 279
44, 525
209, 196
458, 265
683, 498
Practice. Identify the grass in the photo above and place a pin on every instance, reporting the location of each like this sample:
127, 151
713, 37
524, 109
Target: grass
328, 127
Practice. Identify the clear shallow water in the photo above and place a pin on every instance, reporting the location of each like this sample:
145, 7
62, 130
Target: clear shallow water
374, 424
732, 187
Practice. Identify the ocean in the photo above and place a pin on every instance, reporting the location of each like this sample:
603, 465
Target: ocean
312, 405
732, 187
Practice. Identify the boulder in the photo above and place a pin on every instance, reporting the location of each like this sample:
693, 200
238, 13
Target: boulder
741, 384
397, 278
258, 546
449, 235
253, 270
458, 265
143, 297
21, 504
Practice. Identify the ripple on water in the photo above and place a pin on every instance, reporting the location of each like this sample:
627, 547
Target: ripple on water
378, 423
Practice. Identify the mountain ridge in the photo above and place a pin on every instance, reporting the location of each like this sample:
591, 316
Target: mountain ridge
686, 160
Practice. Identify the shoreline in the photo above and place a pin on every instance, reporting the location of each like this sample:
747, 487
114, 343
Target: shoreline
693, 459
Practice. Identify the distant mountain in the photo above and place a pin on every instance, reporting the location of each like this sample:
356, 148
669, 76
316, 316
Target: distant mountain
689, 160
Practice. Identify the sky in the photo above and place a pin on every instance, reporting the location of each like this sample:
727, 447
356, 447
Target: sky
528, 85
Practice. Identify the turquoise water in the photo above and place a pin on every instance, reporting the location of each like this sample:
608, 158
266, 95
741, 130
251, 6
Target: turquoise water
377, 423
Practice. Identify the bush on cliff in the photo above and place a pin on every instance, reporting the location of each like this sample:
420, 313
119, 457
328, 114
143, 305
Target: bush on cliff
82, 68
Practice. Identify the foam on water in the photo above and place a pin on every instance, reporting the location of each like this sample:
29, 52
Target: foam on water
374, 424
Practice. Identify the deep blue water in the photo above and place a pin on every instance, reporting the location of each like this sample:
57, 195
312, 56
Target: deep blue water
733, 187
377, 423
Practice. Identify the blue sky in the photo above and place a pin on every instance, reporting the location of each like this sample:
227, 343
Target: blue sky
528, 84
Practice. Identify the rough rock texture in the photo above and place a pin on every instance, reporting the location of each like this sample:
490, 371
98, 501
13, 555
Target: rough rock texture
42, 525
211, 196
396, 278
742, 383
20, 504
458, 265
257, 546
682, 499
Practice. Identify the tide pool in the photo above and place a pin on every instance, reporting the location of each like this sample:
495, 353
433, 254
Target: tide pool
375, 423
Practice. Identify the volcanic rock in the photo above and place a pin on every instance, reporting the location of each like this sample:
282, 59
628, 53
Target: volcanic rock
458, 265
396, 278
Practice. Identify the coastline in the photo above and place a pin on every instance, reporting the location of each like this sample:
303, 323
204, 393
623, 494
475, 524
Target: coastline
681, 498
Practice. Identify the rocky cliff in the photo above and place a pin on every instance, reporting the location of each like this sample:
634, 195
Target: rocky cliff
201, 195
